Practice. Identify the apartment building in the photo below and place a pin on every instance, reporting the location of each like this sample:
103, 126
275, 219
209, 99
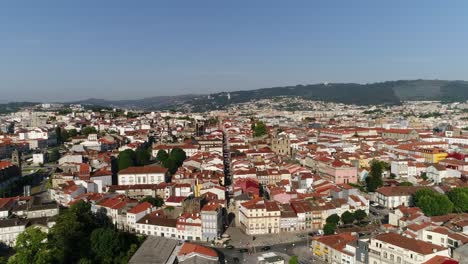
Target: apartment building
334, 248
395, 248
142, 175
260, 217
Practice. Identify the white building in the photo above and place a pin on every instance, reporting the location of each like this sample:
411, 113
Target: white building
10, 229
38, 158
142, 175
395, 248
136, 213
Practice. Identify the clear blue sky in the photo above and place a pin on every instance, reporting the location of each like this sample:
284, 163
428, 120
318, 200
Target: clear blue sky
67, 50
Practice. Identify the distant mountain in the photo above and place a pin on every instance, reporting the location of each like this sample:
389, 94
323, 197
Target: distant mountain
14, 106
391, 92
151, 103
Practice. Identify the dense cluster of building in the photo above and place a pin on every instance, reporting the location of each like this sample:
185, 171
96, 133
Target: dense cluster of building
309, 165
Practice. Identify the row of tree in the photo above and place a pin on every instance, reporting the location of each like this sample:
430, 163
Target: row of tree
78, 236
131, 158
172, 160
346, 218
433, 203
64, 135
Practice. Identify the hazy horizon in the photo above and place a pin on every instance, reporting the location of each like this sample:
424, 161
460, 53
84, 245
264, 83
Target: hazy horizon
114, 50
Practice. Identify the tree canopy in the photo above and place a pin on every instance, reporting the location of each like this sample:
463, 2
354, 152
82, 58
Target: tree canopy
155, 201
31, 247
174, 160
162, 156
405, 183
374, 180
259, 129
294, 260
333, 219
432, 203
360, 215
459, 198
347, 218
79, 236
88, 130
127, 158
329, 229
54, 155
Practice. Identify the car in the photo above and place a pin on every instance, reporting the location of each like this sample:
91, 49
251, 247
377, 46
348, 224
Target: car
243, 250
236, 260
266, 248
229, 246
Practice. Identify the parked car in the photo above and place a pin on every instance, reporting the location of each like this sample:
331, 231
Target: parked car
266, 248
243, 250
229, 246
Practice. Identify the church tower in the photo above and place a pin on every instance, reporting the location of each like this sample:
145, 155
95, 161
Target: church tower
16, 158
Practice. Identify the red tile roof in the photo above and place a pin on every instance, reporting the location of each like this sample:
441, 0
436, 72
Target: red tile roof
140, 208
189, 248
143, 170
441, 260
414, 245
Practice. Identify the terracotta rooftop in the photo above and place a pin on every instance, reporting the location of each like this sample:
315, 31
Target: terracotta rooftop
414, 245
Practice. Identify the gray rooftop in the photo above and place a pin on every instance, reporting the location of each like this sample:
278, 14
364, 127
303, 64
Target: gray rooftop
155, 250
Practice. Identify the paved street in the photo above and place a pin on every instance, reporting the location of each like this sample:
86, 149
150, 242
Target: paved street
287, 250
240, 239
287, 244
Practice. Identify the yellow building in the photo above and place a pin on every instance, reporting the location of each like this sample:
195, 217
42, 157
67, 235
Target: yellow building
433, 155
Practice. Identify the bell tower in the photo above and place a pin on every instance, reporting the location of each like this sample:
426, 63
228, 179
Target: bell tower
16, 158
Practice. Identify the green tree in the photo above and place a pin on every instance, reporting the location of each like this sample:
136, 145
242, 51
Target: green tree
28, 246
178, 155
347, 218
78, 236
333, 219
405, 184
155, 201
260, 129
360, 215
171, 165
72, 133
88, 130
142, 157
54, 155
424, 176
374, 180
459, 198
127, 158
75, 224
105, 244
294, 260
58, 134
162, 156
329, 229
432, 203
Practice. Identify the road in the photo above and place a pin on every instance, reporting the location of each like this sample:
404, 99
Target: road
299, 249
